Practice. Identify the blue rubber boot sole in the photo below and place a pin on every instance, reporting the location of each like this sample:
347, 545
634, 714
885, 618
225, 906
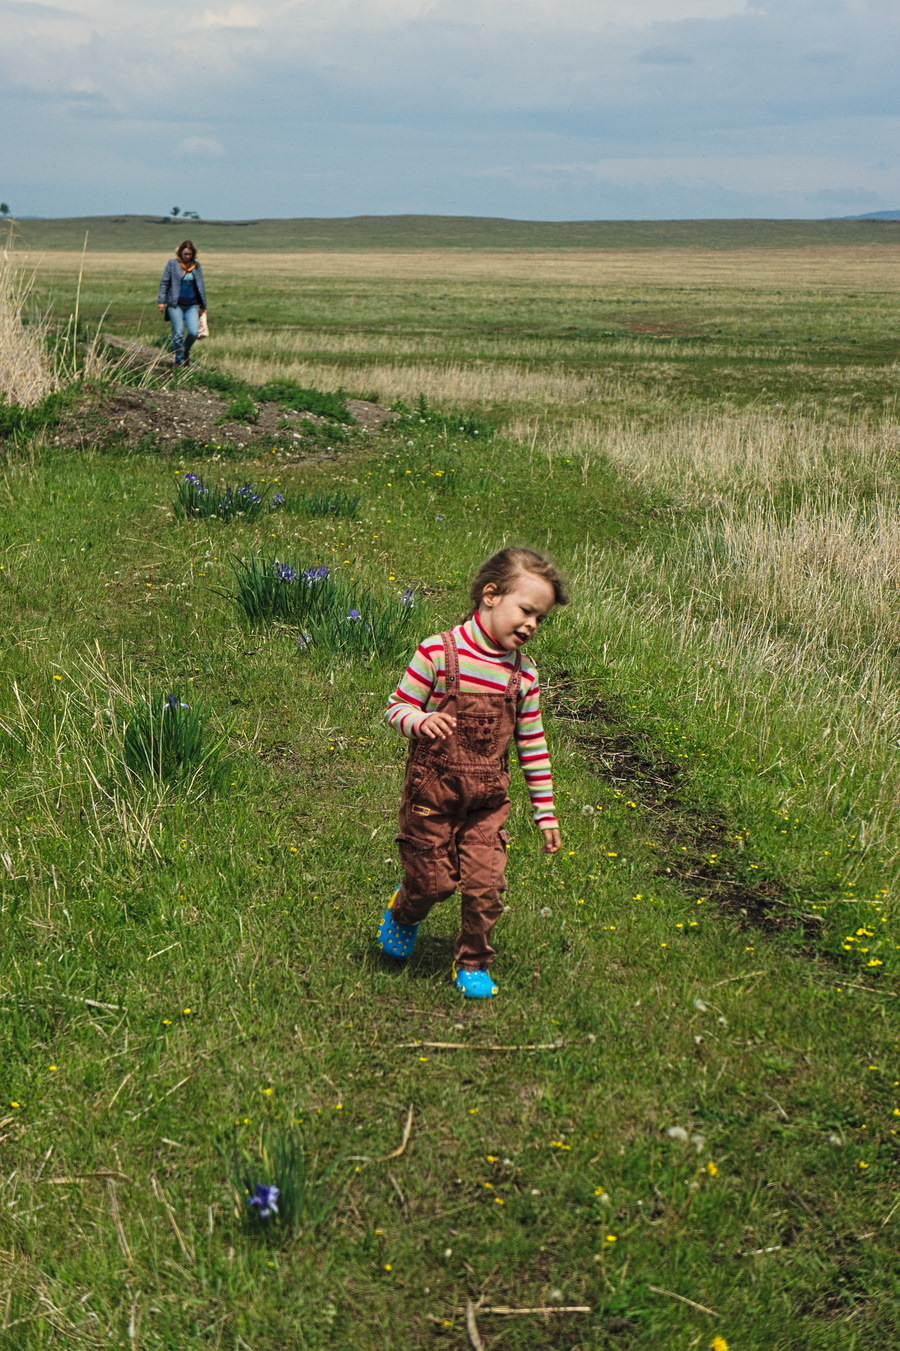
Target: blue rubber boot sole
396, 940
474, 984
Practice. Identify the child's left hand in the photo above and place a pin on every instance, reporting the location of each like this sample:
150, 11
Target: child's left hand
552, 841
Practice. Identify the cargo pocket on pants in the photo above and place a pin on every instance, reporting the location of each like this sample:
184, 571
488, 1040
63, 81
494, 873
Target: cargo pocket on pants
419, 866
500, 864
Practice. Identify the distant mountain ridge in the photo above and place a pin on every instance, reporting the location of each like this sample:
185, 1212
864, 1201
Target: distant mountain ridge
875, 215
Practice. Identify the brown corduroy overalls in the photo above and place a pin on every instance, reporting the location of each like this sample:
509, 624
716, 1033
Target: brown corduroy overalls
454, 806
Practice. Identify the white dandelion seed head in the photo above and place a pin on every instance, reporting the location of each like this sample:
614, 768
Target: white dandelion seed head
588, 810
546, 911
677, 1133
698, 1142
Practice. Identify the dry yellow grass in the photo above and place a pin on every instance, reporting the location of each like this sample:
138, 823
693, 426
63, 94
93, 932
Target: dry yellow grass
27, 374
483, 385
864, 268
698, 459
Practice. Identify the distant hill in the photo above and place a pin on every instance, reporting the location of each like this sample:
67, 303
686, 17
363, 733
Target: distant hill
875, 215
162, 234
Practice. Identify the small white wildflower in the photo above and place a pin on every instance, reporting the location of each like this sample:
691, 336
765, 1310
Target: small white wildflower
677, 1133
448, 1252
556, 1295
698, 1142
834, 1139
535, 1192
723, 1022
700, 1006
591, 1038
546, 912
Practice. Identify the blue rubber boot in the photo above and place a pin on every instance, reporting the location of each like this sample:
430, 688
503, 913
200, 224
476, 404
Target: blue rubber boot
396, 940
474, 984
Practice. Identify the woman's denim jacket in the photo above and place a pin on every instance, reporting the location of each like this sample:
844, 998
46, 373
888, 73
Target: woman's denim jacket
170, 286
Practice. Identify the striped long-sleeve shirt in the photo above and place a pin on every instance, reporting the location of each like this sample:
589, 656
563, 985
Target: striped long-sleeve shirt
483, 668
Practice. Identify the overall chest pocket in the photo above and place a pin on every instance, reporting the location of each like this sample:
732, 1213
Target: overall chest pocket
477, 733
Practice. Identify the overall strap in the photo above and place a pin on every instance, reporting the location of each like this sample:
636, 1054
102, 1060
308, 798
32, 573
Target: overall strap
515, 681
451, 664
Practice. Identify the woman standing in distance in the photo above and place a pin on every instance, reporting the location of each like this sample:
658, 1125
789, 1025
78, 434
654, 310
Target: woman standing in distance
183, 296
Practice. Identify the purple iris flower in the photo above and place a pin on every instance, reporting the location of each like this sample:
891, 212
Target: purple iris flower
408, 596
172, 701
354, 614
303, 641
316, 574
256, 498
191, 478
285, 573
202, 488
264, 1200
277, 499
242, 492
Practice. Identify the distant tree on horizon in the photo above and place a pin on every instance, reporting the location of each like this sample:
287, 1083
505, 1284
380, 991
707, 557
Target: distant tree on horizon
4, 209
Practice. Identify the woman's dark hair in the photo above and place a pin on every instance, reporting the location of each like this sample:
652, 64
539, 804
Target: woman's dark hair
187, 244
502, 569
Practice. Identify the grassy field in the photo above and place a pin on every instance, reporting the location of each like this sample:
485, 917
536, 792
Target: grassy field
115, 233
676, 1127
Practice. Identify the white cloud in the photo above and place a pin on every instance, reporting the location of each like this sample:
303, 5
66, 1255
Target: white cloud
199, 147
236, 16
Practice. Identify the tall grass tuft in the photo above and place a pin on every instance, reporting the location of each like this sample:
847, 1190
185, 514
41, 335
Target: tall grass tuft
374, 628
168, 739
337, 619
339, 503
266, 590
281, 1191
194, 499
27, 371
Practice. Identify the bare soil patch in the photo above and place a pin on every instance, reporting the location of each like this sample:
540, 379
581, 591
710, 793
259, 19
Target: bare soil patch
628, 763
135, 417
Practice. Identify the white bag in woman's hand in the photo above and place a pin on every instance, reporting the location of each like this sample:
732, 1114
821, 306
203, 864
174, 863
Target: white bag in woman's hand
202, 326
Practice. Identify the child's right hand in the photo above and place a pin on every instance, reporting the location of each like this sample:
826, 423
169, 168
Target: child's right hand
437, 727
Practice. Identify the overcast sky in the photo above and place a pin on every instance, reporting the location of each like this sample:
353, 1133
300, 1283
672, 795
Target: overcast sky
535, 109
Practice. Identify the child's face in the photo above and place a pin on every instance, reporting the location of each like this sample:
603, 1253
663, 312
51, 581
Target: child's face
513, 618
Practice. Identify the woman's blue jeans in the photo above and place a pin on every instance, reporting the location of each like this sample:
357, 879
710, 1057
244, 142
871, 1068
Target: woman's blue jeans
184, 330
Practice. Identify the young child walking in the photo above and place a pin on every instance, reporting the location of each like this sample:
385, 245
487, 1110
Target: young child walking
464, 697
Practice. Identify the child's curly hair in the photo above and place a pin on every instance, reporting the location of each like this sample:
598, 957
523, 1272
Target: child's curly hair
502, 569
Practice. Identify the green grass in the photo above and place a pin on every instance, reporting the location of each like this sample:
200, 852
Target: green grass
443, 232
188, 978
